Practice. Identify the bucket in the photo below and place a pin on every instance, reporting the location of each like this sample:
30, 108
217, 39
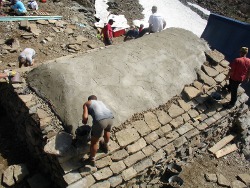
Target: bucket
17, 78
43, 1
175, 181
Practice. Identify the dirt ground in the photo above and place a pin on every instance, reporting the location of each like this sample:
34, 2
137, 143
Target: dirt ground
230, 166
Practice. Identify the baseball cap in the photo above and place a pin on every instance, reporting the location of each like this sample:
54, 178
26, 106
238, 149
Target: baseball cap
111, 20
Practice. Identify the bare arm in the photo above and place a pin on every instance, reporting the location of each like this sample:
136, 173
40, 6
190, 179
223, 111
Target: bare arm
229, 74
85, 112
3, 75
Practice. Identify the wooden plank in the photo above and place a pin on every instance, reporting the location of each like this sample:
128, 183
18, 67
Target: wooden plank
221, 143
228, 149
20, 18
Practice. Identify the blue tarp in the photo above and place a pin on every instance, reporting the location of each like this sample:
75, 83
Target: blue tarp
226, 35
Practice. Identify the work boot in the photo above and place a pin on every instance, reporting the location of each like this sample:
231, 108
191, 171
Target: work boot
90, 161
104, 147
228, 106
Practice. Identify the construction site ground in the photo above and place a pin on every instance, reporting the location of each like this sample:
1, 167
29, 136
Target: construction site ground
49, 45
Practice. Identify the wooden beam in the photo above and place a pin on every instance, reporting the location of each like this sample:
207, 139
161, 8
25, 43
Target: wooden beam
221, 143
228, 149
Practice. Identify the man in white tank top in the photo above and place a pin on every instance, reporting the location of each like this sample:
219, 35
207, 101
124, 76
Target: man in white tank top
102, 125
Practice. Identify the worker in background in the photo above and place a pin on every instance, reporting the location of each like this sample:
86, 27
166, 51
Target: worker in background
102, 125
156, 23
26, 57
33, 5
108, 33
132, 33
239, 72
19, 8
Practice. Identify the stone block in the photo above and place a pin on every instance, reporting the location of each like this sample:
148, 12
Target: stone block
220, 78
163, 117
166, 129
224, 63
71, 165
185, 106
132, 159
115, 181
217, 116
175, 111
238, 184
193, 113
113, 146
177, 122
24, 24
106, 161
209, 121
179, 141
171, 136
148, 150
185, 117
201, 126
117, 167
80, 183
191, 133
119, 155
142, 165
151, 137
152, 121
160, 143
160, 154
72, 177
87, 169
169, 148
104, 184
211, 177
195, 141
141, 143
222, 181
205, 78
214, 57
42, 114
103, 174
159, 132
127, 136
129, 173
141, 127
209, 71
245, 178
184, 128
191, 92
26, 98
198, 85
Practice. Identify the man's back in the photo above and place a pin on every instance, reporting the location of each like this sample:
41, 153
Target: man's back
157, 22
240, 67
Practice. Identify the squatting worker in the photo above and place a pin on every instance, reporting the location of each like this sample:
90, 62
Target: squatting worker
102, 124
19, 8
239, 71
156, 23
108, 33
26, 57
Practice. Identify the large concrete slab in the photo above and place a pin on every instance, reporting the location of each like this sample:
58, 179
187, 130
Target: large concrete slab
129, 77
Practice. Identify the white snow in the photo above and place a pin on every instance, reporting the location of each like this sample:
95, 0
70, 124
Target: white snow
175, 13
205, 11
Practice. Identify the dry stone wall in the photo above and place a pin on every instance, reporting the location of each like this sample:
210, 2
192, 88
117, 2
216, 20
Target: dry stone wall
172, 132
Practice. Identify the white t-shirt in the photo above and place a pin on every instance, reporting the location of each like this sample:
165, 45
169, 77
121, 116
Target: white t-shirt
33, 5
157, 22
28, 54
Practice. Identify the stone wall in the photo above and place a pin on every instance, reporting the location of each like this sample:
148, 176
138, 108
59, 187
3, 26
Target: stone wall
174, 131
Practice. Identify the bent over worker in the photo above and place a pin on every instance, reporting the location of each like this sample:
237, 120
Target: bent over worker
26, 57
102, 125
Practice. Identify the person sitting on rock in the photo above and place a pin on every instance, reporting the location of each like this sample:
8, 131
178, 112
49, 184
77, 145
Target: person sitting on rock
19, 8
156, 23
102, 125
33, 5
132, 33
240, 71
26, 57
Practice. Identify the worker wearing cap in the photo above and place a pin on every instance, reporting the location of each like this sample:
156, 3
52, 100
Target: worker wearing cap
108, 33
239, 71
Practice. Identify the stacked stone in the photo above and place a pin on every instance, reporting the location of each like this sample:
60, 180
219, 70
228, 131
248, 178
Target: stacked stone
160, 134
34, 122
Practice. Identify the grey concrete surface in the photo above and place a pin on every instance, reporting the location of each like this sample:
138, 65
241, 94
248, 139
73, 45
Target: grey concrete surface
130, 77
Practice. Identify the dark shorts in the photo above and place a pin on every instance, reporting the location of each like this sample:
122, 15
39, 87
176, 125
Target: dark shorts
107, 41
99, 127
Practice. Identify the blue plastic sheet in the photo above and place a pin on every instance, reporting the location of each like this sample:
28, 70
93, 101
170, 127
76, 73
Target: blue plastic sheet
226, 35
